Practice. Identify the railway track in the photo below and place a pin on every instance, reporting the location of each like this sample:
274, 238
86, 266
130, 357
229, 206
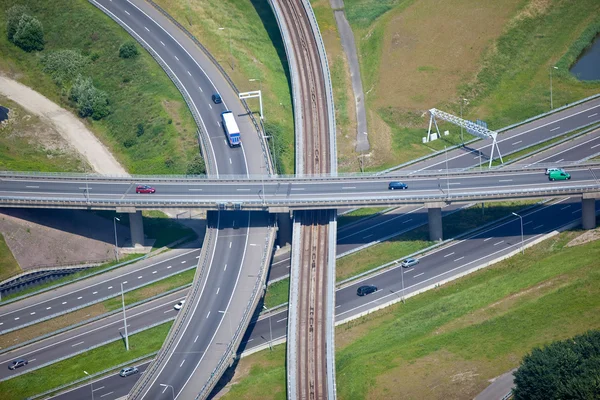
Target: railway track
310, 336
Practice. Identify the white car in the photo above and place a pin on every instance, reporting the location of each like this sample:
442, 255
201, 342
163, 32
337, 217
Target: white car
409, 262
179, 305
549, 170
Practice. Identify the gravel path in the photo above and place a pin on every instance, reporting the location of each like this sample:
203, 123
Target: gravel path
69, 126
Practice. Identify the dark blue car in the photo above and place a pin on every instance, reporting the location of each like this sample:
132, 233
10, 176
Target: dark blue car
397, 185
216, 98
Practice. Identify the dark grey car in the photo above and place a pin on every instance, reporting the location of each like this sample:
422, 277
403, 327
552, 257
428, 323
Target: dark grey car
366, 289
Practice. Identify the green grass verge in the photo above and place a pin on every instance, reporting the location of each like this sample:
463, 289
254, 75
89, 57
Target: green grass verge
70, 278
277, 293
358, 214
8, 265
251, 39
153, 289
418, 239
92, 361
138, 89
450, 341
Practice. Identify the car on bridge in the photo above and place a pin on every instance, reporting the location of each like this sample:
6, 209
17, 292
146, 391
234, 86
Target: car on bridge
17, 364
559, 176
397, 185
365, 290
145, 189
410, 262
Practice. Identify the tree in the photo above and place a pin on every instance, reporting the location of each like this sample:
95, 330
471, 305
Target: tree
29, 34
13, 15
128, 50
196, 166
568, 369
90, 100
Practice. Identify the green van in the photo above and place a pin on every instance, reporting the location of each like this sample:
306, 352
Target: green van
558, 175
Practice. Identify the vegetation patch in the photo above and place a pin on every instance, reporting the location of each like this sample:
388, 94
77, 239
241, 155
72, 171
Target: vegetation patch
277, 293
8, 265
92, 361
449, 342
358, 214
114, 94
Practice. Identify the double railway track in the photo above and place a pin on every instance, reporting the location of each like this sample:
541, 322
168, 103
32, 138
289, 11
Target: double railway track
310, 336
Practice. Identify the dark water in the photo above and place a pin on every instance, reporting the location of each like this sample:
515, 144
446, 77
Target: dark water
587, 67
3, 113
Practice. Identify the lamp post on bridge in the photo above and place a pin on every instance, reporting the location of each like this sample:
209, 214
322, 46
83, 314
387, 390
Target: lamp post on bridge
91, 384
522, 242
168, 386
115, 219
270, 331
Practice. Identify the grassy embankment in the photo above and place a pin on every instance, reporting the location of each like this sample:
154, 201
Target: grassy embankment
405, 244
357, 215
422, 53
92, 361
448, 342
138, 90
257, 52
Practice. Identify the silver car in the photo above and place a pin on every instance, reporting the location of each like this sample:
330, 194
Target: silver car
549, 170
128, 371
409, 262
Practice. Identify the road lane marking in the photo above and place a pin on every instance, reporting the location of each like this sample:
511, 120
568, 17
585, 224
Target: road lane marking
239, 190
283, 319
230, 244
527, 223
496, 244
100, 388
195, 341
408, 270
553, 129
418, 275
79, 298
161, 42
110, 287
33, 313
189, 73
169, 267
153, 272
211, 109
225, 269
32, 187
576, 211
592, 115
505, 180
184, 261
176, 58
448, 255
368, 236
485, 240
230, 158
594, 146
348, 187
460, 258
278, 262
140, 277
207, 314
17, 318
172, 309
146, 28
539, 226
200, 89
407, 221
195, 190
77, 344
33, 359
47, 308
218, 290
64, 302
127, 12
297, 188
515, 143
565, 207
107, 394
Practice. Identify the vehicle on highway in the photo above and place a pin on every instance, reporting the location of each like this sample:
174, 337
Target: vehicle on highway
548, 170
397, 185
559, 176
410, 262
16, 364
232, 131
179, 305
216, 98
366, 289
128, 371
145, 189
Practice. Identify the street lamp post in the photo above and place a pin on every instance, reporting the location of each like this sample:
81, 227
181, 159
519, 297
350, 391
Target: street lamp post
230, 52
447, 173
124, 317
402, 275
168, 386
270, 332
522, 242
91, 384
551, 102
115, 219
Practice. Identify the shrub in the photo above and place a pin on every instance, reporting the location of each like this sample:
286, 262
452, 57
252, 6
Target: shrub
140, 130
568, 369
196, 166
128, 50
29, 34
63, 65
13, 15
90, 100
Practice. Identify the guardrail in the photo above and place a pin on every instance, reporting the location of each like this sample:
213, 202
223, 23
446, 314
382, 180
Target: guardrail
506, 128
330, 301
238, 335
264, 145
292, 328
203, 261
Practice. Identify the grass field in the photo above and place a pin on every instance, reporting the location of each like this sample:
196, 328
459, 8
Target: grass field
357, 215
92, 361
8, 265
496, 55
251, 33
448, 342
139, 91
277, 293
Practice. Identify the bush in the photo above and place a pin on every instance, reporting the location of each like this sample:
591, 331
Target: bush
196, 167
568, 369
140, 130
128, 50
63, 65
13, 15
90, 100
29, 34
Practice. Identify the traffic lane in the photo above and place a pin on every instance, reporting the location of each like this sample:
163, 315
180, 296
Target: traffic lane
280, 267
203, 322
20, 315
527, 134
108, 388
85, 337
581, 148
459, 257
188, 72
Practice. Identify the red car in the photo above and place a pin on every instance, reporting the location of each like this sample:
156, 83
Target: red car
144, 189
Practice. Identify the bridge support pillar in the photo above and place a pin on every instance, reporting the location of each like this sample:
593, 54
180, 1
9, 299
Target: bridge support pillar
136, 224
588, 213
284, 231
434, 212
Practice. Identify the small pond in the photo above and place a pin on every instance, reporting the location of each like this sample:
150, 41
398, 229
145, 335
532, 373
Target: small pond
3, 113
587, 67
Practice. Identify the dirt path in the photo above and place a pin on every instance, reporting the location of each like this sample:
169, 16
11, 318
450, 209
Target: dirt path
69, 126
